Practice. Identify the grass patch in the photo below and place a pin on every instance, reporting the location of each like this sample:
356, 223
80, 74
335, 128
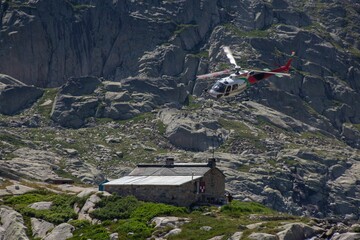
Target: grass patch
192, 104
161, 127
237, 209
60, 211
115, 207
239, 128
133, 215
11, 139
44, 105
202, 54
245, 34
84, 230
133, 229
148, 210
183, 27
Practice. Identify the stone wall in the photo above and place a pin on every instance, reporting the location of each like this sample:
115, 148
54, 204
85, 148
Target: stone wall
183, 195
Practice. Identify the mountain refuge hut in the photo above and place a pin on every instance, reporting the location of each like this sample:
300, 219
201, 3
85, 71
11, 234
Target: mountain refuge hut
180, 184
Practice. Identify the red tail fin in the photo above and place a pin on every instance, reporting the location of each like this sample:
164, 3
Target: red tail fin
287, 65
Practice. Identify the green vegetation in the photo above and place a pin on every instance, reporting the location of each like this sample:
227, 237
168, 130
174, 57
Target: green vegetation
130, 218
133, 215
79, 6
18, 4
11, 139
161, 127
183, 27
192, 104
115, 207
254, 33
239, 128
84, 230
237, 209
60, 211
202, 54
44, 105
241, 135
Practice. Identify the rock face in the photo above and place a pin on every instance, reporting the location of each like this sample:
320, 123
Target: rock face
60, 232
79, 52
293, 146
192, 132
297, 231
16, 96
12, 225
40, 228
88, 207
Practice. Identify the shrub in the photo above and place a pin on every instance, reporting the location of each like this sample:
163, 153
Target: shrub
237, 208
148, 210
133, 229
60, 211
84, 230
113, 207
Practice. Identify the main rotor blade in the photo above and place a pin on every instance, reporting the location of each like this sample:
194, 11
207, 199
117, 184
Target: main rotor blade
230, 56
214, 74
277, 73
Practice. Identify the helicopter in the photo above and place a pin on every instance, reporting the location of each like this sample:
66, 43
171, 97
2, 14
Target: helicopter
240, 79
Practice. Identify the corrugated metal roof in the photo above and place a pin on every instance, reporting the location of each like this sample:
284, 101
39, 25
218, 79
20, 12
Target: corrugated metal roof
153, 180
175, 170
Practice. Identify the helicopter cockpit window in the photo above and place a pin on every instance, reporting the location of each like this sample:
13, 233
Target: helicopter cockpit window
219, 87
234, 87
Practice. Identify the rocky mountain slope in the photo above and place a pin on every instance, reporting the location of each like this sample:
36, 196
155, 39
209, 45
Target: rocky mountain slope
90, 88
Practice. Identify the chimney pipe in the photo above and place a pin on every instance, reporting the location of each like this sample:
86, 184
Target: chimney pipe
169, 161
212, 162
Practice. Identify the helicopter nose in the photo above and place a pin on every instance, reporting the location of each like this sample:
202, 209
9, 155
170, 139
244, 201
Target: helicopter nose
214, 94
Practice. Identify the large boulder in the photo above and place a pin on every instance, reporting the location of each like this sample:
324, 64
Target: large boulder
61, 232
8, 80
297, 231
79, 86
14, 98
40, 228
75, 103
12, 225
88, 207
192, 132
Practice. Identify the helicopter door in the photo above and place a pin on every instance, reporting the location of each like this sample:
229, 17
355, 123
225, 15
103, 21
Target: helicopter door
228, 89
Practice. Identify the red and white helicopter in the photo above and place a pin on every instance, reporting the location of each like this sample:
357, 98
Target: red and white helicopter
240, 79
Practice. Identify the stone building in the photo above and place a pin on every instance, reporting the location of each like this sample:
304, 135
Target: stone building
181, 184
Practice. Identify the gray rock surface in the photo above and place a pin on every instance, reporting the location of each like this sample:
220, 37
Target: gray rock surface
60, 232
173, 222
40, 205
40, 228
88, 207
12, 225
346, 236
294, 231
192, 132
14, 98
262, 236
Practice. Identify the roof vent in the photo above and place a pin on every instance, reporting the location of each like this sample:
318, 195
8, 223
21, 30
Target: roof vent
169, 161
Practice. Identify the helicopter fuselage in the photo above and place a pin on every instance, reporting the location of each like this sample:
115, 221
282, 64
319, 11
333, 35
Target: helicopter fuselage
230, 86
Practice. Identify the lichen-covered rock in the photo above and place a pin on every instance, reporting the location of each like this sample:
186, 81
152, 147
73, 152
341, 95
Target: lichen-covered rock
40, 228
262, 236
41, 205
297, 231
192, 132
61, 232
12, 225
